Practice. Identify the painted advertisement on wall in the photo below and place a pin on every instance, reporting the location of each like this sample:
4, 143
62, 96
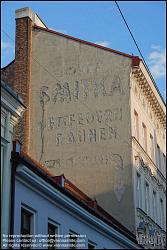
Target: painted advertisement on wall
80, 117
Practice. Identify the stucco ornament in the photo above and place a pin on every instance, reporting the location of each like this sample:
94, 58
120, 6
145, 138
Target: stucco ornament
119, 176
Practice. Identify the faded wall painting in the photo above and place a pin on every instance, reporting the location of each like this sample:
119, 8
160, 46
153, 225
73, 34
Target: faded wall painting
80, 117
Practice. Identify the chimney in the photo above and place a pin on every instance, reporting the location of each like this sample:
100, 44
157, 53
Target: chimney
22, 68
27, 12
25, 19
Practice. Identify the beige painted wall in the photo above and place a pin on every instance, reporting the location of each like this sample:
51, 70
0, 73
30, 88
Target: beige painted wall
80, 119
147, 116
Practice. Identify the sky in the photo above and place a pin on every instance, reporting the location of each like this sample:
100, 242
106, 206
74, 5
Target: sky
99, 22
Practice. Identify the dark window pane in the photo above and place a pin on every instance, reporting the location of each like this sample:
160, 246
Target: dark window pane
91, 246
51, 238
73, 240
25, 229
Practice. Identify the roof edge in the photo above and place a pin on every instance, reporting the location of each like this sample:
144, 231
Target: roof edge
83, 41
12, 93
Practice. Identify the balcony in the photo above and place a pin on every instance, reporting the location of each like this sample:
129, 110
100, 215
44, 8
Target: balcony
148, 164
149, 234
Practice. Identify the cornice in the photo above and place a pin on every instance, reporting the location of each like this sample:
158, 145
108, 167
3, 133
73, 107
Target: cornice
13, 117
146, 88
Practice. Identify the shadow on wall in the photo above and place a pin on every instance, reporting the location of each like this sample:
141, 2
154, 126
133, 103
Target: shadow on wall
123, 210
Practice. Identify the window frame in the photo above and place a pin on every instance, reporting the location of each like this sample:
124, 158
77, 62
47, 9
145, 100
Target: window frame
4, 145
139, 190
152, 150
162, 215
32, 212
91, 243
56, 225
147, 198
164, 164
136, 125
144, 136
154, 205
159, 157
71, 232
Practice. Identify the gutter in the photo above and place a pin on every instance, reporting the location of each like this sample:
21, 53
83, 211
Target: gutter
16, 150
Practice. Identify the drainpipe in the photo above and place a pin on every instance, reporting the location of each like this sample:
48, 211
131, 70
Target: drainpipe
15, 154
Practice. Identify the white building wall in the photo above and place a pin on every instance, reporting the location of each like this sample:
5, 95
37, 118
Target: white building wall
6, 147
146, 115
46, 208
11, 109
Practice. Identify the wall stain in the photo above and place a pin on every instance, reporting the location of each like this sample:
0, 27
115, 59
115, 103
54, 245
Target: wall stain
44, 98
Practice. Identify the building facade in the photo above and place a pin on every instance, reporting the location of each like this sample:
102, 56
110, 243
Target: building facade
45, 205
11, 109
149, 158
86, 104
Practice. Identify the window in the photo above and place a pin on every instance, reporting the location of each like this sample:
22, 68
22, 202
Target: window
73, 240
164, 164
26, 222
161, 213
147, 199
136, 125
2, 170
154, 206
53, 230
144, 136
91, 245
151, 147
139, 197
158, 157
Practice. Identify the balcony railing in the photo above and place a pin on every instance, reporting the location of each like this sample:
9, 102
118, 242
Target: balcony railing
149, 160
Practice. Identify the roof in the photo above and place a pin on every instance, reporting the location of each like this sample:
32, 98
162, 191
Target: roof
73, 192
12, 93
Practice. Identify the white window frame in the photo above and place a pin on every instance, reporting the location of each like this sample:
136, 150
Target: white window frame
33, 220
162, 217
139, 190
136, 125
147, 198
73, 232
152, 153
92, 243
144, 136
159, 157
154, 205
55, 224
4, 144
164, 164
